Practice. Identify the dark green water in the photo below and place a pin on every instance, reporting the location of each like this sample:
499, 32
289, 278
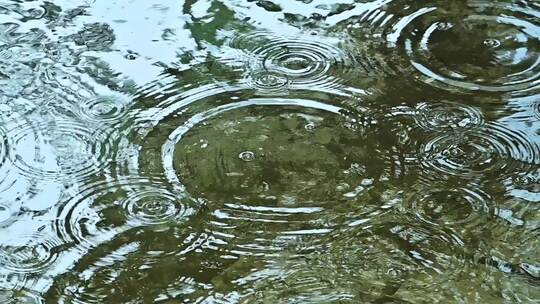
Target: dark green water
282, 151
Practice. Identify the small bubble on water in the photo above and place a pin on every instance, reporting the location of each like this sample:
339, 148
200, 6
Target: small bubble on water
392, 272
247, 156
310, 126
492, 43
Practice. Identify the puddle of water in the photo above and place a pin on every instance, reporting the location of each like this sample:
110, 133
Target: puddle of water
269, 151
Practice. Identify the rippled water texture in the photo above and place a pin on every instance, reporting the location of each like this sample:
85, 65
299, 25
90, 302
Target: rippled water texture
280, 151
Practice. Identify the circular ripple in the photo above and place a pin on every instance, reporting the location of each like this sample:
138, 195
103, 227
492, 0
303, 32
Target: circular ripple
446, 116
270, 171
155, 207
525, 185
29, 254
103, 210
59, 150
487, 47
491, 149
247, 156
268, 81
379, 259
104, 108
14, 286
266, 133
306, 61
455, 206
266, 177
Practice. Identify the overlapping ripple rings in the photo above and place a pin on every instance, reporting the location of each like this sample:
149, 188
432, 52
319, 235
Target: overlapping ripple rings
271, 82
250, 179
486, 46
267, 170
29, 254
493, 149
103, 210
222, 151
104, 108
308, 62
59, 149
459, 206
445, 116
363, 258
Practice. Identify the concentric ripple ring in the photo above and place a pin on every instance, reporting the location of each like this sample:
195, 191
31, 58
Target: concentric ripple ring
29, 254
133, 202
491, 149
59, 149
305, 61
490, 47
444, 116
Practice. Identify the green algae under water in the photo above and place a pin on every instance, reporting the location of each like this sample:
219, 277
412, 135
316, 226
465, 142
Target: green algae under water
285, 151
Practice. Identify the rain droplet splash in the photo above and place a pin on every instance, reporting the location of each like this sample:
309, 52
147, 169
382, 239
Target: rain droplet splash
261, 162
492, 43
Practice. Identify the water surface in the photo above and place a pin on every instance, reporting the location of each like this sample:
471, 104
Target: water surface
269, 151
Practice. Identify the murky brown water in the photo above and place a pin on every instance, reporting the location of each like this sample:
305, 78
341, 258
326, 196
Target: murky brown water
270, 151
